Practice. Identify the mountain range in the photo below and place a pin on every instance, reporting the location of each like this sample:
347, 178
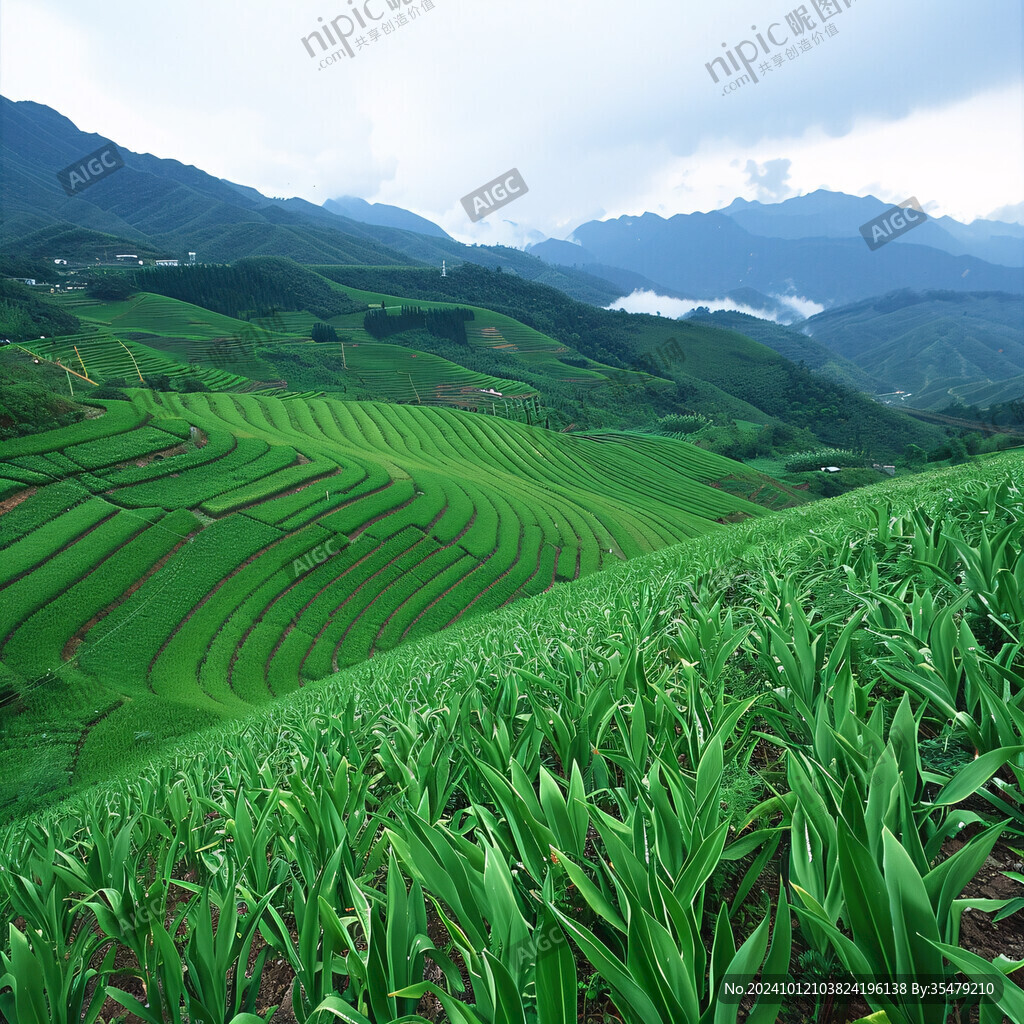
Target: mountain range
934, 345
934, 348
808, 247
162, 207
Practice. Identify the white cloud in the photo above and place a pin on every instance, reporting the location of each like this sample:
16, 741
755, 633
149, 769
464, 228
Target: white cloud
641, 301
802, 307
604, 108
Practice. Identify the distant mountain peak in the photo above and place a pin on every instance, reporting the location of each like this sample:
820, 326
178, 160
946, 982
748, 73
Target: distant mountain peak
383, 215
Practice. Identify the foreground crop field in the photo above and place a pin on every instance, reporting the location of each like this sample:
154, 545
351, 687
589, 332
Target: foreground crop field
795, 746
181, 558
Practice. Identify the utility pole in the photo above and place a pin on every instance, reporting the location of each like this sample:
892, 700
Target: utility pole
79, 354
130, 356
413, 383
343, 363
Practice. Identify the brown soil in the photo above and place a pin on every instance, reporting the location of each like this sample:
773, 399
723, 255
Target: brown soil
75, 641
145, 460
16, 499
977, 931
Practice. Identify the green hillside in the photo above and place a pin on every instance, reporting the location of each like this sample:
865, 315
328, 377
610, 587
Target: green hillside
584, 368
794, 345
719, 373
392, 631
173, 337
24, 315
788, 747
248, 288
33, 398
936, 346
183, 557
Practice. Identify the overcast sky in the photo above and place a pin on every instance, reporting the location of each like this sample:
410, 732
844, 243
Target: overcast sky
605, 111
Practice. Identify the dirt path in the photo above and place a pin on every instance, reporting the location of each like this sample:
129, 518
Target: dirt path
16, 499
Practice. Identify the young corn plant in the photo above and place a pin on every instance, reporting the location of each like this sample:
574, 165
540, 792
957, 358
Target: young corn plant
865, 857
44, 984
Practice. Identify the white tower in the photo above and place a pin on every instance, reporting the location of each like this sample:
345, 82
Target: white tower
444, 268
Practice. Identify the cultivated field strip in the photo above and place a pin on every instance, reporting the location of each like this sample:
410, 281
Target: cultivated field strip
216, 550
152, 334
792, 750
402, 374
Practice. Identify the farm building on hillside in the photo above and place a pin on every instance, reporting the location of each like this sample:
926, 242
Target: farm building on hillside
166, 263
830, 469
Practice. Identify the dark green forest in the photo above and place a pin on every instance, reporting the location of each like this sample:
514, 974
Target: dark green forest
255, 287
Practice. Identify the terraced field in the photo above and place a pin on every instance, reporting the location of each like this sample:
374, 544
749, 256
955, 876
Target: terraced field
496, 331
151, 334
402, 374
198, 554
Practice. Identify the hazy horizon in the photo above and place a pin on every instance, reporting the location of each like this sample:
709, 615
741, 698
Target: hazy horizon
605, 114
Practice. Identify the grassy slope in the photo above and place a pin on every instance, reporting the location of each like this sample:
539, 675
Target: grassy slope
429, 672
490, 330
167, 335
197, 594
720, 373
633, 369
938, 346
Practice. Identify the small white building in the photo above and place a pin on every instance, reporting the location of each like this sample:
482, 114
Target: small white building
166, 263
830, 469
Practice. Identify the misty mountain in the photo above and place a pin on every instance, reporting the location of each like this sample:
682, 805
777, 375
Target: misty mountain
384, 215
167, 208
708, 255
938, 346
790, 342
825, 214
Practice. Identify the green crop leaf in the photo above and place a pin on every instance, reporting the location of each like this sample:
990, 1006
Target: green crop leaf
973, 776
631, 996
1011, 1000
555, 974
